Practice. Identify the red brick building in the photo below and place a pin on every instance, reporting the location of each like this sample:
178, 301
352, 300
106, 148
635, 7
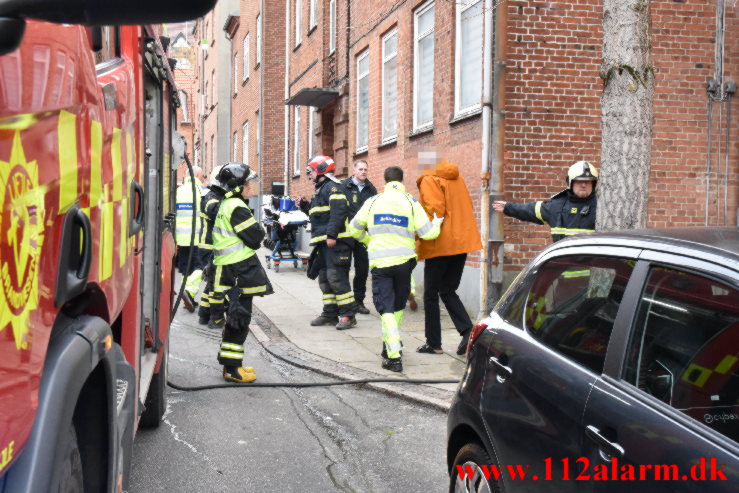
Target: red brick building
182, 49
386, 80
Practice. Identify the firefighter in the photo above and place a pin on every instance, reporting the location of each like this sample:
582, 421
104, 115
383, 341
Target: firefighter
358, 190
332, 245
392, 220
186, 208
236, 237
570, 212
208, 210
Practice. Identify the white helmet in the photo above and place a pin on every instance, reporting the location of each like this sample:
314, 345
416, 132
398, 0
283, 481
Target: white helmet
582, 170
213, 180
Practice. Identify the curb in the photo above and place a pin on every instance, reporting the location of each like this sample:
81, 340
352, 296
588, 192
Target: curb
279, 346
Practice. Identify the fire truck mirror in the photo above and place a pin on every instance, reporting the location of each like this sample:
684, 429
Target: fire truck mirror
11, 34
106, 12
179, 149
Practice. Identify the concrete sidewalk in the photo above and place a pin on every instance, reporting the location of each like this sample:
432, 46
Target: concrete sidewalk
284, 321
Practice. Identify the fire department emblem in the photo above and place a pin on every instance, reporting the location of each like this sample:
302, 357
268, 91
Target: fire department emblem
21, 237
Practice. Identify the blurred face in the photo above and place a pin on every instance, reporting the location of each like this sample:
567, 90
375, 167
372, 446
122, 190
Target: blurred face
582, 188
360, 171
311, 174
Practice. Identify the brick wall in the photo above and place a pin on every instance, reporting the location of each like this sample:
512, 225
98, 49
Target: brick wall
553, 110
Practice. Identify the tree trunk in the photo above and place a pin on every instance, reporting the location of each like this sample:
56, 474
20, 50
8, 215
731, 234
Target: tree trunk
626, 119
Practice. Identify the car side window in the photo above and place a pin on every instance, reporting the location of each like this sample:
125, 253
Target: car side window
684, 347
573, 303
512, 303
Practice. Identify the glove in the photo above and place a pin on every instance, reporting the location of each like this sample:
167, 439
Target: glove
436, 221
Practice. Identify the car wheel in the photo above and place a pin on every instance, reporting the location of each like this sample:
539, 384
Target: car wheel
68, 469
470, 457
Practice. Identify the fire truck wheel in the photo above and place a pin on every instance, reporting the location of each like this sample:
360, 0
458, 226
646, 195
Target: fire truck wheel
68, 468
156, 400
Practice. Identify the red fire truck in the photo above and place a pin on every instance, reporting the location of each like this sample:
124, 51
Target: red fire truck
87, 117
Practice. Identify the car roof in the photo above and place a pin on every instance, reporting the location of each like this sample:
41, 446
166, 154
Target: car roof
716, 244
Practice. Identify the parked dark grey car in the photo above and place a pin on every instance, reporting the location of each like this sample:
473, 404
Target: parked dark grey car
613, 358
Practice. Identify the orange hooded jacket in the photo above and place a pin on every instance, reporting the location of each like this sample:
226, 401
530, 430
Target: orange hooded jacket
444, 192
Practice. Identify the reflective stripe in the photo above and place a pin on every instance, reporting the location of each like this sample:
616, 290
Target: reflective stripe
345, 302
576, 273
537, 211
231, 249
318, 239
337, 196
389, 229
570, 231
425, 229
67, 145
183, 231
345, 234
205, 246
184, 214
356, 223
230, 355
320, 208
235, 347
394, 346
241, 227
255, 289
224, 232
391, 252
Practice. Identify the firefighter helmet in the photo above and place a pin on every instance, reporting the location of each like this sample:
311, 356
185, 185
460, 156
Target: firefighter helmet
213, 179
233, 175
582, 170
322, 165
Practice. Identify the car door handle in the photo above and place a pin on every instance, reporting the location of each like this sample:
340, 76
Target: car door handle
611, 448
502, 370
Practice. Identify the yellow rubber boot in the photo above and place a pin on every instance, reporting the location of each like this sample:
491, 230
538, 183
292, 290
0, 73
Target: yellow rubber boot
240, 374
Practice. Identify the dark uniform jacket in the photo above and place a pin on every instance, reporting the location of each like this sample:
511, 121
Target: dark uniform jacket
254, 234
357, 198
565, 213
208, 211
329, 212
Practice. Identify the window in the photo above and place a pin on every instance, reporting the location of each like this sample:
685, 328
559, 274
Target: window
313, 20
197, 156
212, 152
683, 349
183, 105
236, 73
573, 303
296, 140
259, 133
298, 12
205, 97
245, 143
235, 144
247, 55
332, 27
423, 67
468, 59
259, 39
390, 86
205, 156
311, 131
362, 101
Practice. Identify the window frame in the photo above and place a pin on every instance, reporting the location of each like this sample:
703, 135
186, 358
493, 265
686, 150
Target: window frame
245, 143
258, 55
184, 105
246, 55
360, 78
417, 37
311, 131
236, 73
235, 144
313, 16
298, 24
296, 142
459, 111
332, 27
385, 58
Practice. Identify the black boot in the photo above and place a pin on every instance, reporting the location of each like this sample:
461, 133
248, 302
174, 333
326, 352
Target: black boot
362, 309
324, 320
395, 364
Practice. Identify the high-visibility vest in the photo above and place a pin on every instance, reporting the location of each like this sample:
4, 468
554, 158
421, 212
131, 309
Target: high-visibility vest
227, 246
186, 207
392, 220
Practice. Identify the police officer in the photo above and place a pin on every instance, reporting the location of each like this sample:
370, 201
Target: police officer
332, 244
236, 236
186, 208
570, 212
359, 189
208, 210
392, 220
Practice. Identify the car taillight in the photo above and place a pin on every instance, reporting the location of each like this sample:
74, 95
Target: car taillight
476, 331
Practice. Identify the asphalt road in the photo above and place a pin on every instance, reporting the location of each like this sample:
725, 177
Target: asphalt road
258, 440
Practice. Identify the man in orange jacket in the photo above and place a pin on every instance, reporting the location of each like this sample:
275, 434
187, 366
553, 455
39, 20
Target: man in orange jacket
444, 192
